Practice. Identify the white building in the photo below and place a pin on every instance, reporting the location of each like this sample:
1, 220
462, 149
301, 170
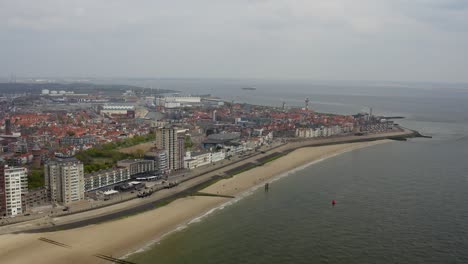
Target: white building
105, 178
64, 180
14, 182
119, 109
217, 156
178, 101
235, 149
183, 99
194, 160
137, 166
161, 161
322, 131
171, 105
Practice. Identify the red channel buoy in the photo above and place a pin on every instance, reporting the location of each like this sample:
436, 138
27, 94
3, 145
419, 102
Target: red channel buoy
333, 202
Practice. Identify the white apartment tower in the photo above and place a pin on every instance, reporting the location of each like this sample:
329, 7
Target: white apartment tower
13, 186
64, 180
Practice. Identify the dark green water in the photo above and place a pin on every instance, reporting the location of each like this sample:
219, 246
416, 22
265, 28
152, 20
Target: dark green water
402, 202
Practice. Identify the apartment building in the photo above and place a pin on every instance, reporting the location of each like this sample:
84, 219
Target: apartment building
13, 187
172, 141
64, 180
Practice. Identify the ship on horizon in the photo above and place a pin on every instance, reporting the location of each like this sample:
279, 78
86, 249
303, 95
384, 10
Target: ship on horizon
249, 88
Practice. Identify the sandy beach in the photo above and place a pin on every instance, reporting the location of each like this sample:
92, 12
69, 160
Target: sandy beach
120, 237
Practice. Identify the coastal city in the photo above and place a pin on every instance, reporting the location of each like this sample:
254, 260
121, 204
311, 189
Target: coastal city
86, 147
233, 132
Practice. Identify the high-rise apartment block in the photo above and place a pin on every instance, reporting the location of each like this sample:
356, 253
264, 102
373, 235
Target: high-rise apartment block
64, 180
172, 141
13, 187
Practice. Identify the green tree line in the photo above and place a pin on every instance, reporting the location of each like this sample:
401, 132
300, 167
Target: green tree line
107, 155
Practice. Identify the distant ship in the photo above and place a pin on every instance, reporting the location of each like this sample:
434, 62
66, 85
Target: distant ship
249, 88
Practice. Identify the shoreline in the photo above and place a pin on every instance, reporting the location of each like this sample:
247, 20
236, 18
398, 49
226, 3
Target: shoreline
243, 194
130, 235
205, 177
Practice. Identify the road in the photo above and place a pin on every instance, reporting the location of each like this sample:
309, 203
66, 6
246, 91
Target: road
188, 182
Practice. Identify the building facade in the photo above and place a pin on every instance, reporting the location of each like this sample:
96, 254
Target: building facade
195, 160
161, 162
137, 166
36, 197
77, 140
103, 178
2, 190
13, 187
117, 110
180, 152
178, 101
64, 180
218, 156
172, 141
323, 131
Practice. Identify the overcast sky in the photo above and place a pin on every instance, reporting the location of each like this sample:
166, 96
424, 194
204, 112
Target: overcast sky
399, 40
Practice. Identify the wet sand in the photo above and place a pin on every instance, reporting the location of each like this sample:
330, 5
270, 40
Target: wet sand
122, 236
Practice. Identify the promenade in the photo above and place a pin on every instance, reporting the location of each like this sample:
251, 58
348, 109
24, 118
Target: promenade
189, 182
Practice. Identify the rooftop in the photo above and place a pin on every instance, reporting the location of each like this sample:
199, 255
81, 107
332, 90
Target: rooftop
65, 160
224, 136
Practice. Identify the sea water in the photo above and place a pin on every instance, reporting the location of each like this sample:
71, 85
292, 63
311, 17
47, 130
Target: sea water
401, 202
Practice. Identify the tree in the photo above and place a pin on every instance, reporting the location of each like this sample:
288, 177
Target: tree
36, 178
92, 158
188, 142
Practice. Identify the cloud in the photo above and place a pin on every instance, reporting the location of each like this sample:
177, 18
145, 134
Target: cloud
344, 39
99, 15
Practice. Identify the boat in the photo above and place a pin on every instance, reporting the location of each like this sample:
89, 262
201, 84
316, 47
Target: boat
249, 88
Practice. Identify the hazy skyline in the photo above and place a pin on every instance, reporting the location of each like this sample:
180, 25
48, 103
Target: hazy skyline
417, 40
